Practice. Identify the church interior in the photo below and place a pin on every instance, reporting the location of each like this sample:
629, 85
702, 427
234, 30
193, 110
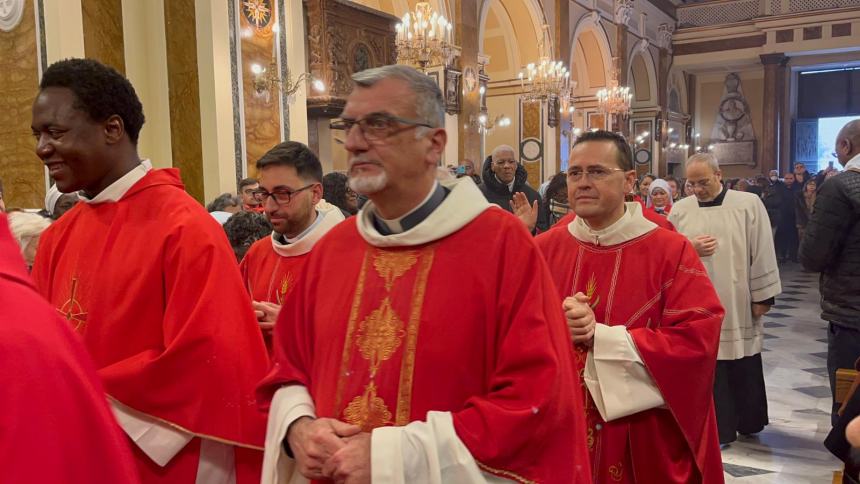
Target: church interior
761, 84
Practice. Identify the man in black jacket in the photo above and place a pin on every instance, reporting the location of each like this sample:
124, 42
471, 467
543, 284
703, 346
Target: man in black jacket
831, 245
503, 177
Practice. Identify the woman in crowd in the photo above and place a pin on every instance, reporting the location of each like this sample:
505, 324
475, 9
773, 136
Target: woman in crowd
27, 227
805, 201
659, 197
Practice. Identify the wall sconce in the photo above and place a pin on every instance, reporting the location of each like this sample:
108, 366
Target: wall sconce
485, 125
266, 80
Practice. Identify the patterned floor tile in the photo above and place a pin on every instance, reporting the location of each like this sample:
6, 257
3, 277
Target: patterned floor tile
778, 315
812, 411
783, 306
823, 354
822, 371
794, 292
773, 324
789, 299
770, 336
818, 391
735, 470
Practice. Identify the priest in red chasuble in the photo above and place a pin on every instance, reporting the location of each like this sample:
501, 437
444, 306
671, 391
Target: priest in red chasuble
645, 320
147, 279
290, 192
424, 342
51, 402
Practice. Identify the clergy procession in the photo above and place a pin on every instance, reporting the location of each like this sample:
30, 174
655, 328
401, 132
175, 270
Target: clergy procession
394, 324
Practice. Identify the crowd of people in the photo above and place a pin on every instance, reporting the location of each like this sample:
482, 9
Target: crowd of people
397, 322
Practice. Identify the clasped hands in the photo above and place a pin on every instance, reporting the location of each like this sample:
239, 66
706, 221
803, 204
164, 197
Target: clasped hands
328, 449
580, 319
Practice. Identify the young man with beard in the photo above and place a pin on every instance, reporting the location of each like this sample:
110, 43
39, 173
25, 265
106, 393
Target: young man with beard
146, 278
420, 346
645, 320
290, 193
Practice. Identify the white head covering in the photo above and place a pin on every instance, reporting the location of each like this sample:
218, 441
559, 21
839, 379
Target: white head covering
51, 199
661, 184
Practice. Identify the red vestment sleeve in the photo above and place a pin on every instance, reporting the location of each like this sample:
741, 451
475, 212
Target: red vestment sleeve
213, 352
680, 354
533, 388
55, 425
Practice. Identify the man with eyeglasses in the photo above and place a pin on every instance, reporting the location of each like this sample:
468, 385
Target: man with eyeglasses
290, 192
645, 322
731, 233
506, 185
425, 343
247, 186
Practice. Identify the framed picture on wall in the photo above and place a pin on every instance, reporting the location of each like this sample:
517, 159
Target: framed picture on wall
642, 150
596, 120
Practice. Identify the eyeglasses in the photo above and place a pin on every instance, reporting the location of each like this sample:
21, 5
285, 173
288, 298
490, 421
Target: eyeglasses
593, 174
281, 196
377, 127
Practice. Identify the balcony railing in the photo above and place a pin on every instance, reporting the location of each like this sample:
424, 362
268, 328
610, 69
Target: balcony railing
732, 11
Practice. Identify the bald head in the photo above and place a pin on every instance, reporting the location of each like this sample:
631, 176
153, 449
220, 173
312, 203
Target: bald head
848, 142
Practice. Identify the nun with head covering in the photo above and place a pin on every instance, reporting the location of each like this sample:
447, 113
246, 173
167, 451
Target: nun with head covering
659, 197
58, 203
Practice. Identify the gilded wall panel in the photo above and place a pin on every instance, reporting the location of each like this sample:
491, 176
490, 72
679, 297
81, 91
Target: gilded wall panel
103, 39
183, 82
531, 142
262, 112
21, 171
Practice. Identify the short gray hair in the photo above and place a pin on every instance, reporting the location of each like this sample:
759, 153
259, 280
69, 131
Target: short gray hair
708, 158
429, 104
502, 149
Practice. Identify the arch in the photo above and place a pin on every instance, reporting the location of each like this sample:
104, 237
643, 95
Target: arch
500, 43
677, 83
398, 8
536, 18
590, 55
642, 76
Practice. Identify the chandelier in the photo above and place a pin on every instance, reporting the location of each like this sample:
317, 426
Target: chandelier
614, 99
423, 38
548, 80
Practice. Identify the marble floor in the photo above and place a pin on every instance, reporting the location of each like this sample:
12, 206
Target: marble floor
790, 449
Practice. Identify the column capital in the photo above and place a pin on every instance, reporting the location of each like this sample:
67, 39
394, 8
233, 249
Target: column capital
779, 59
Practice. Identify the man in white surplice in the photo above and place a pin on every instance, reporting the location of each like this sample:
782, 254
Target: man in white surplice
731, 232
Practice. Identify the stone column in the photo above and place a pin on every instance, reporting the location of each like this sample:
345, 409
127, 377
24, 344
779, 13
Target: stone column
773, 105
466, 13
623, 12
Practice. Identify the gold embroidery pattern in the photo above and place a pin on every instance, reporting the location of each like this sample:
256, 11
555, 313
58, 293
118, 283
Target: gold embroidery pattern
392, 265
367, 410
379, 335
590, 289
503, 473
72, 310
407, 367
590, 439
616, 472
284, 289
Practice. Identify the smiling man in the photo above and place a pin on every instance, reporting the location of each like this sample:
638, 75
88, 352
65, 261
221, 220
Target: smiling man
147, 279
645, 320
416, 349
290, 192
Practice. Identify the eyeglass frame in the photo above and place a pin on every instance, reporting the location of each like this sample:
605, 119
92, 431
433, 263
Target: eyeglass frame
340, 124
289, 193
593, 176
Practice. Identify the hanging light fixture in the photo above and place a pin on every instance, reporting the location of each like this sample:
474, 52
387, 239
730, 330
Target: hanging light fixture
547, 80
614, 99
424, 38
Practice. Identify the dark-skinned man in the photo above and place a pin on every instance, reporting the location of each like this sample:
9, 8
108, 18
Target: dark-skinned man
147, 279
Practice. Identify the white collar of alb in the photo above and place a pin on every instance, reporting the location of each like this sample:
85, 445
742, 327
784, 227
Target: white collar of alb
854, 163
327, 217
461, 206
116, 190
631, 225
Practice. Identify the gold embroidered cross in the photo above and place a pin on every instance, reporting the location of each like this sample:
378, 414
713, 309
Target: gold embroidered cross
72, 310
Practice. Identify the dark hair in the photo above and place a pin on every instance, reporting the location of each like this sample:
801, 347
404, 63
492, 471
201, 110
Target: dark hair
556, 184
625, 155
648, 175
297, 155
334, 189
245, 228
246, 182
223, 201
100, 90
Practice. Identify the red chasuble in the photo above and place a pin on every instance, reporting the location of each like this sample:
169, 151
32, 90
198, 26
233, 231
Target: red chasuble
268, 276
56, 424
467, 324
649, 214
151, 286
656, 286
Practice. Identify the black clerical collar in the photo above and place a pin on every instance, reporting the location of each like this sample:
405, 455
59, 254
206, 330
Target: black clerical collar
415, 217
716, 202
